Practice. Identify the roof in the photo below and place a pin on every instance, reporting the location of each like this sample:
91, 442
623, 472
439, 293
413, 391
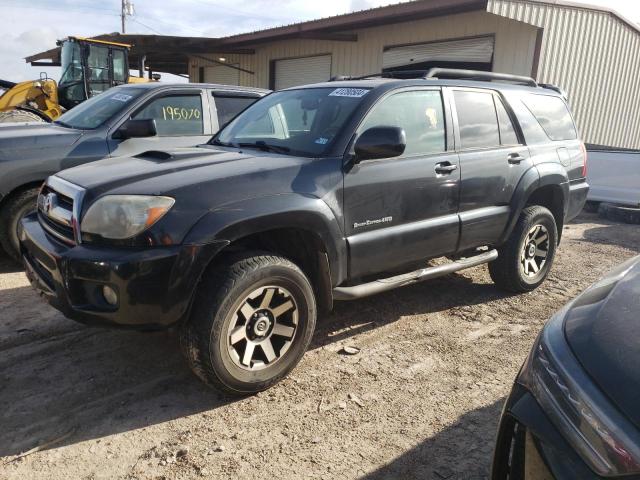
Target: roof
170, 53
212, 86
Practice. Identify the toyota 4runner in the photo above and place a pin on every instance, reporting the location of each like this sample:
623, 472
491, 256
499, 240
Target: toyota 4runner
332, 191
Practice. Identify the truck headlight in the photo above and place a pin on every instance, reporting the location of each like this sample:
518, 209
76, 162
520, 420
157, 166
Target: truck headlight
576, 406
119, 217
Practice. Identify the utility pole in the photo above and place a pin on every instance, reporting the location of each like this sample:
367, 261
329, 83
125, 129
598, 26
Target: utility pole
126, 9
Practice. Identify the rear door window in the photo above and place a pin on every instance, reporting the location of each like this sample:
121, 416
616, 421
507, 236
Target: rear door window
477, 119
508, 134
552, 115
175, 115
229, 106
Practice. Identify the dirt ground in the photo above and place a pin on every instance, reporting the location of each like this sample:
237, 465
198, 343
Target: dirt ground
421, 399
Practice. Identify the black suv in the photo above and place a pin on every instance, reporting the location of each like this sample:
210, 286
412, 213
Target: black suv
332, 191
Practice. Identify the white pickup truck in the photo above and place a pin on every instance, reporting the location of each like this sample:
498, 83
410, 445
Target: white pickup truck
614, 176
614, 179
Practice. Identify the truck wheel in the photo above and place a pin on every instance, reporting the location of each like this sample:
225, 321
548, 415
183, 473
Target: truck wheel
251, 323
13, 210
525, 260
20, 116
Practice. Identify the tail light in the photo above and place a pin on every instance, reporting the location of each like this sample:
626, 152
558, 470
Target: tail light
583, 148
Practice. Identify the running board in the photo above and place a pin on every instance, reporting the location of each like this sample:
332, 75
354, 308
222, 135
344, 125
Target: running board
378, 286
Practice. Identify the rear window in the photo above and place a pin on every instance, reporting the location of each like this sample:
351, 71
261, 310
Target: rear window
552, 115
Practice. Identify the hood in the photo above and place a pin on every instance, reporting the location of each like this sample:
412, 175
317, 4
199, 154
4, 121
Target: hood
26, 140
603, 331
205, 177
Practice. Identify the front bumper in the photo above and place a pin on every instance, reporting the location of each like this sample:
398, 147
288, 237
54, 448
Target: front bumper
154, 285
530, 447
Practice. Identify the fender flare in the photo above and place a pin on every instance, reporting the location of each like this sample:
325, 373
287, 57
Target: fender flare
538, 176
240, 219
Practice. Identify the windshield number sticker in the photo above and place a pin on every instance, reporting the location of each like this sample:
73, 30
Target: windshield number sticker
322, 141
121, 97
180, 113
349, 92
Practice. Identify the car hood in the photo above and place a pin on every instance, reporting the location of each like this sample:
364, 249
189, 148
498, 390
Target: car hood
20, 139
603, 330
204, 177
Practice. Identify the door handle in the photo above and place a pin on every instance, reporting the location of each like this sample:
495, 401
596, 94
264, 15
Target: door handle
515, 158
445, 168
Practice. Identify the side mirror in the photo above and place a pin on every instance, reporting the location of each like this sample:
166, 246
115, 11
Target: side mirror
380, 142
145, 127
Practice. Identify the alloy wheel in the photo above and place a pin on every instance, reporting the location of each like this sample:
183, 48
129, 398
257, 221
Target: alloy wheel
535, 251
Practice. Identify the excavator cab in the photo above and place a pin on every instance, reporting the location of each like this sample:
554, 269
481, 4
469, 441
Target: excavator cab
89, 67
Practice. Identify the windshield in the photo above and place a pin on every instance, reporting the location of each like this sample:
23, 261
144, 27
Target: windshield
297, 122
97, 110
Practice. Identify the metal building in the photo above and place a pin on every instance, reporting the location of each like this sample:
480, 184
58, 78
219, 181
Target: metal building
592, 53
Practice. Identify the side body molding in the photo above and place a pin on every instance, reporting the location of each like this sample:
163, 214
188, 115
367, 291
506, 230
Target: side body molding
240, 219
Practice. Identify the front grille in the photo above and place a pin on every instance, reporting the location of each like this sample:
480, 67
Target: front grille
57, 207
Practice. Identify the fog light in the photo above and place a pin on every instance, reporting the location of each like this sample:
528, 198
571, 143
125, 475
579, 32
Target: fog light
110, 295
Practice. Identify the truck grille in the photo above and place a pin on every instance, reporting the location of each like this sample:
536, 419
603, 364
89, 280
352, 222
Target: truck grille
58, 204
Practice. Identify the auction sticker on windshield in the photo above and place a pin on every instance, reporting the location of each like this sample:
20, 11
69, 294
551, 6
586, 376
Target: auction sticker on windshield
349, 92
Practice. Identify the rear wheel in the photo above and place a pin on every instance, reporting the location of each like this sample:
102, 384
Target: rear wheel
20, 116
526, 259
15, 209
252, 322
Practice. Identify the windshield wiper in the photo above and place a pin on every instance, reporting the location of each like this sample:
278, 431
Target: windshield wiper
264, 146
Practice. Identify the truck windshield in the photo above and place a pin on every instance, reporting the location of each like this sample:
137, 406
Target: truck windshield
97, 110
301, 122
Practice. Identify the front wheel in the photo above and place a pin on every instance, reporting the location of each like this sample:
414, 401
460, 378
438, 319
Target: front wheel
15, 209
252, 322
525, 260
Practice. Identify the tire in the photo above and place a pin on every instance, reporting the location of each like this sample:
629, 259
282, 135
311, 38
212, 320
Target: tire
20, 116
513, 270
12, 211
618, 213
233, 309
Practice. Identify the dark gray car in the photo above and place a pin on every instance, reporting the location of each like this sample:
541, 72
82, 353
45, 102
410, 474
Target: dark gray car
114, 123
574, 410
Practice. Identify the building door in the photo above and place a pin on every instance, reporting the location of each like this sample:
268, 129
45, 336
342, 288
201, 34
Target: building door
222, 74
291, 72
467, 53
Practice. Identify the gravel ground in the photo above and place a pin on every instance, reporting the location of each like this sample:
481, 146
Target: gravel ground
420, 400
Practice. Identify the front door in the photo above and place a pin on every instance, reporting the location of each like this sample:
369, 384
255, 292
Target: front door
493, 159
182, 120
404, 209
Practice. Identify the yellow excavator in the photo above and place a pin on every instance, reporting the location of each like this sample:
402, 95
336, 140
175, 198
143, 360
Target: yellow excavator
89, 67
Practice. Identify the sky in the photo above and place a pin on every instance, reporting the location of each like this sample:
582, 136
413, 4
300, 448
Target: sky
31, 26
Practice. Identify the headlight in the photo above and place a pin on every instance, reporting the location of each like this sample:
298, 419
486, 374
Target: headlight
604, 439
120, 217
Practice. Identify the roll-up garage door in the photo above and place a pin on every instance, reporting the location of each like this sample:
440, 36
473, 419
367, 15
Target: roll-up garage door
468, 50
222, 74
291, 72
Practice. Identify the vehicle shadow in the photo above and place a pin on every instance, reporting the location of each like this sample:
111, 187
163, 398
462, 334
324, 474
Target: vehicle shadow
461, 451
8, 265
60, 380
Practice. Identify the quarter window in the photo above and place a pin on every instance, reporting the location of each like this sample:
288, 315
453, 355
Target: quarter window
552, 115
477, 119
175, 115
420, 113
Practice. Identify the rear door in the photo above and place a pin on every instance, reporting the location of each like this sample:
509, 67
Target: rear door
182, 120
493, 158
404, 209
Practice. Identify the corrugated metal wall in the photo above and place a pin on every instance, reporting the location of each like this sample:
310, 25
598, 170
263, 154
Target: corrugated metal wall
514, 46
595, 57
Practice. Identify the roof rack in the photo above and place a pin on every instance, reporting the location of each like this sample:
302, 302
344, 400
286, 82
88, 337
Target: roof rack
479, 75
400, 74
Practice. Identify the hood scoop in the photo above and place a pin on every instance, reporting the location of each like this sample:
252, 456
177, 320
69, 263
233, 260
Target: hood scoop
178, 154
155, 155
